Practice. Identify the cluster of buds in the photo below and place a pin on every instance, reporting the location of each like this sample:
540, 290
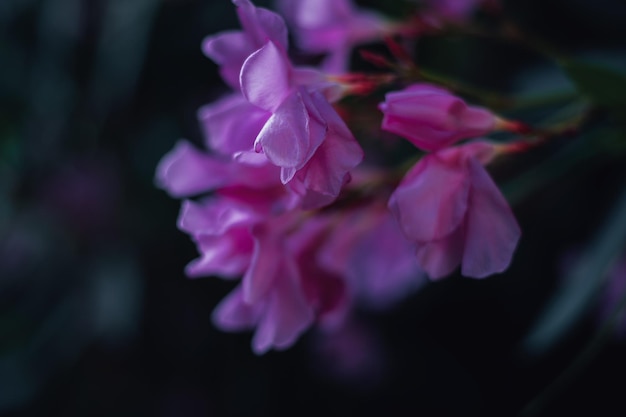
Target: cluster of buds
281, 200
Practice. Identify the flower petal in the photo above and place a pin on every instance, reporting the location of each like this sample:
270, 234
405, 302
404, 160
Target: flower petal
441, 257
261, 24
186, 171
492, 232
265, 77
431, 200
288, 314
231, 124
229, 50
285, 137
233, 314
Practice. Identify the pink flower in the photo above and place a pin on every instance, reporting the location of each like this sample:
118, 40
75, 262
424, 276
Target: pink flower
230, 49
332, 27
187, 171
284, 290
432, 118
368, 248
450, 208
220, 228
231, 124
304, 136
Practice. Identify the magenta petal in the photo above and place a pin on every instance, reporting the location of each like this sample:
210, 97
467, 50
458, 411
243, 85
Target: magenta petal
186, 171
432, 118
288, 314
431, 200
265, 77
229, 50
440, 258
233, 314
492, 232
285, 137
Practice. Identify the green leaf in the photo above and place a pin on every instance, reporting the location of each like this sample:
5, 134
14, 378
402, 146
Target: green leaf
583, 285
602, 85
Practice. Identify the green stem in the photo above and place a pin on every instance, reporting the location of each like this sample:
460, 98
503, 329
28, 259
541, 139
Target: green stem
584, 358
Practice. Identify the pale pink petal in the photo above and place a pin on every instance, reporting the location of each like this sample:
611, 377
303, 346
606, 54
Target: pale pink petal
226, 256
439, 258
265, 264
265, 77
233, 314
321, 179
229, 50
384, 267
288, 314
231, 124
492, 232
214, 216
285, 138
261, 25
431, 201
333, 27
186, 171
324, 289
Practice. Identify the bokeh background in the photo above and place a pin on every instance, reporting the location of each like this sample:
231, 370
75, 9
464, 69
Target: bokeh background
98, 319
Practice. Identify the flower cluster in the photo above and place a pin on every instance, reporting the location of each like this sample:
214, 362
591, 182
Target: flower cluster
280, 200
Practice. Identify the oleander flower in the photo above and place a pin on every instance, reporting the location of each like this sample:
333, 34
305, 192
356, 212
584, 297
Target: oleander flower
187, 171
450, 208
304, 136
432, 118
284, 290
333, 27
368, 248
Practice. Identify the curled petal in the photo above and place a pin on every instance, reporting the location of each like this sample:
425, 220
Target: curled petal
265, 77
321, 179
292, 134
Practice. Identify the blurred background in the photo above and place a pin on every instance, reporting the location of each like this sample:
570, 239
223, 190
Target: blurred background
98, 319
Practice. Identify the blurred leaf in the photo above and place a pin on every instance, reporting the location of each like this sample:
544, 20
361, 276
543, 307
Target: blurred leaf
603, 85
585, 280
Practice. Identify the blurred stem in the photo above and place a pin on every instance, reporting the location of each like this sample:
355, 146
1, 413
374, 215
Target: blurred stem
578, 365
491, 99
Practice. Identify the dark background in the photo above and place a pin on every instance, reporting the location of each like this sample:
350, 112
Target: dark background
97, 317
